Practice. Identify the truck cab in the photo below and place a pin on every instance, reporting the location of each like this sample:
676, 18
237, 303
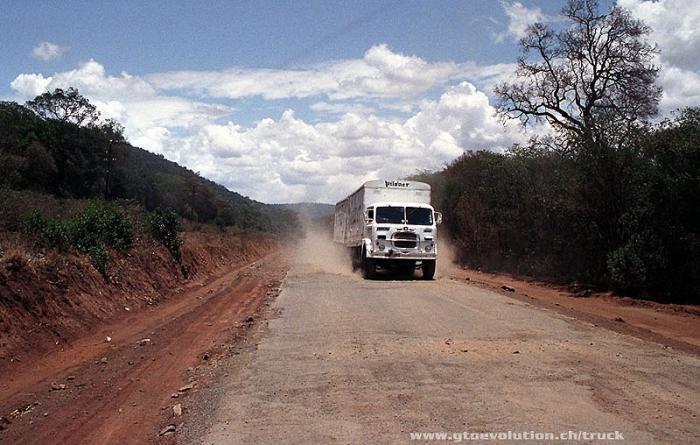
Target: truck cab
400, 236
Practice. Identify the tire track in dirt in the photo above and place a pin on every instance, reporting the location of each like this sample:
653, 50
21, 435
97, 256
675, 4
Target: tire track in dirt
121, 391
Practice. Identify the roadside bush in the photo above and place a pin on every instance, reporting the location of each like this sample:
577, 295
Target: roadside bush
99, 257
621, 217
163, 225
638, 265
50, 232
101, 223
96, 227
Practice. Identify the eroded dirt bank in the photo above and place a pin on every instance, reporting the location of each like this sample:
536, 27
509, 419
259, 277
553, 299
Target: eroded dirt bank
48, 300
128, 389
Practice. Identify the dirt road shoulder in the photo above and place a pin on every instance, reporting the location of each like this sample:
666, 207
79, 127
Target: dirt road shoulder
138, 383
675, 326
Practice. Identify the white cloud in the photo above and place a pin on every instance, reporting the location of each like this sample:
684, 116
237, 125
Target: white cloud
681, 88
519, 18
289, 159
48, 51
676, 29
30, 85
355, 134
148, 115
90, 78
342, 107
380, 73
465, 114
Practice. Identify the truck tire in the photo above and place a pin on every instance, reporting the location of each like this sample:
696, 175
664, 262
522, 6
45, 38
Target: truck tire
369, 267
356, 258
428, 269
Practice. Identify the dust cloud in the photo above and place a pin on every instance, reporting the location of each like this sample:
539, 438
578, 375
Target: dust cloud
447, 257
318, 253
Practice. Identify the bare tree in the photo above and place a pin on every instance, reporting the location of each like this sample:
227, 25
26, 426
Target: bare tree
65, 105
591, 79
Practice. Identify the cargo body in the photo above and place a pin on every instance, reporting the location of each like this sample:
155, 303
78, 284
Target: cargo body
389, 225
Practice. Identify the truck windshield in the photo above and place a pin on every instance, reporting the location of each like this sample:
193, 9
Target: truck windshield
389, 215
419, 216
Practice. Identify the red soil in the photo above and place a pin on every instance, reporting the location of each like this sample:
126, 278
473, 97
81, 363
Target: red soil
669, 324
64, 382
46, 302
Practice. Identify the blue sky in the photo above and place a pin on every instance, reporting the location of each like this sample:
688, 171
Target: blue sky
288, 101
142, 37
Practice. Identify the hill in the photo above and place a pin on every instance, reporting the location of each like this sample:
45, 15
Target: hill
59, 155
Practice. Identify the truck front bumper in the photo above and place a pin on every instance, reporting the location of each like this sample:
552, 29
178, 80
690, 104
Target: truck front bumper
402, 254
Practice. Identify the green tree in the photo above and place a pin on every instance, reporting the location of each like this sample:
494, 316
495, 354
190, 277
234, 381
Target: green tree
66, 106
40, 168
113, 133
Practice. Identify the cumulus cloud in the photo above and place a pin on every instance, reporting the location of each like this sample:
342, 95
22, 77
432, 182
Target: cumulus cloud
148, 115
355, 133
289, 159
519, 18
90, 78
48, 51
676, 29
30, 85
681, 88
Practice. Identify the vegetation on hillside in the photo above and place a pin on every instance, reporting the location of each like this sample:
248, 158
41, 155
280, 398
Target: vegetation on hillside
58, 145
91, 232
164, 226
605, 199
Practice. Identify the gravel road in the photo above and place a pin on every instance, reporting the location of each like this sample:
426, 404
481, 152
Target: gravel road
353, 361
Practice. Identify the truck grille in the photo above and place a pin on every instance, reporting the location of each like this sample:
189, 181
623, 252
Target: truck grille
405, 240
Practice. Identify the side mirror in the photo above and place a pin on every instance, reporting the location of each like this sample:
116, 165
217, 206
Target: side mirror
438, 218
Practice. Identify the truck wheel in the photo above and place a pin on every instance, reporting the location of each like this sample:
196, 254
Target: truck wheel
428, 269
369, 267
356, 259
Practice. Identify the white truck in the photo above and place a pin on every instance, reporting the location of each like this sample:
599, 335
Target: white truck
389, 224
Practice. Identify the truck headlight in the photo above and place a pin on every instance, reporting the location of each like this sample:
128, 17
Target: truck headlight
429, 247
380, 246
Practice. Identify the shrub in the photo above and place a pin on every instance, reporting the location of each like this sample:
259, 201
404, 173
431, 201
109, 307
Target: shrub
99, 257
164, 224
97, 226
101, 223
638, 264
51, 232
